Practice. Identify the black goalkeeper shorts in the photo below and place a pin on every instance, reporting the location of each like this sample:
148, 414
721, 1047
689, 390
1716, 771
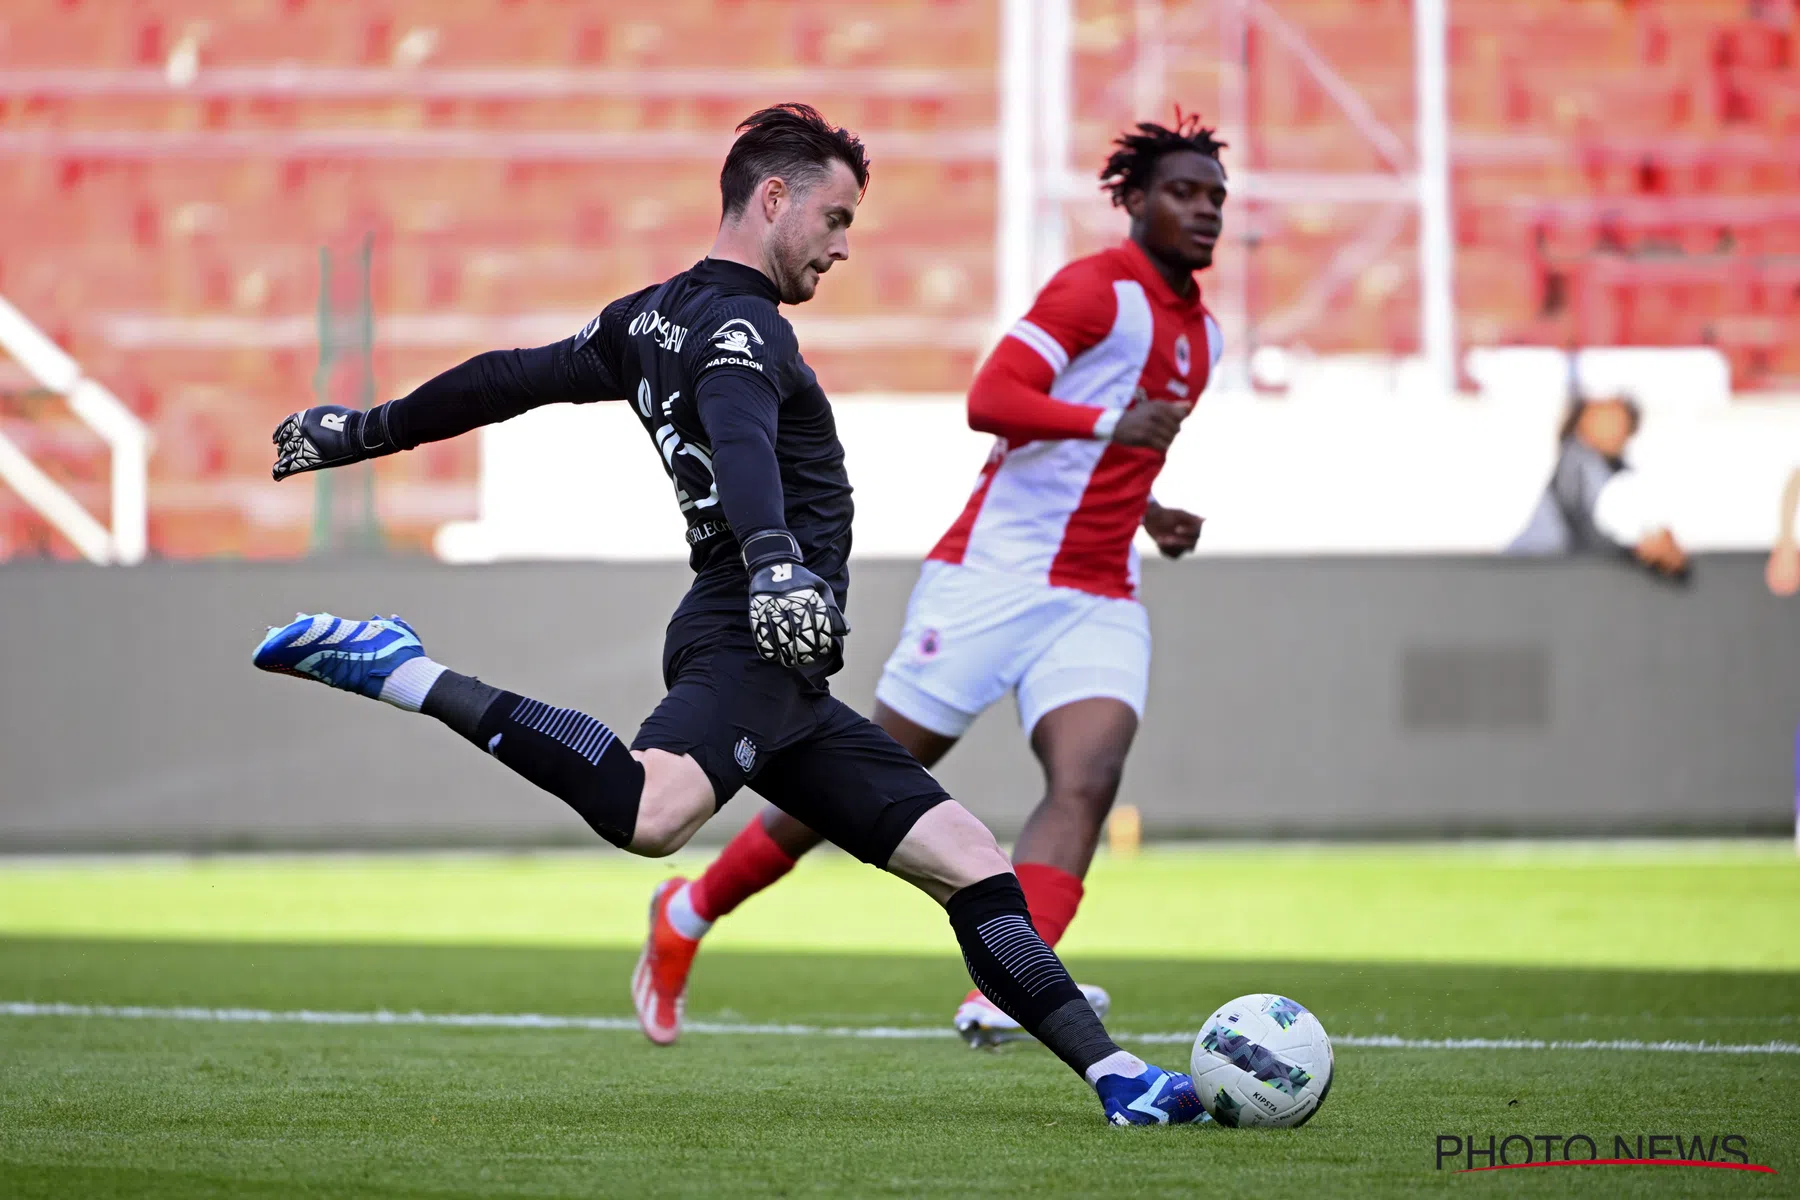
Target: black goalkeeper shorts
751, 723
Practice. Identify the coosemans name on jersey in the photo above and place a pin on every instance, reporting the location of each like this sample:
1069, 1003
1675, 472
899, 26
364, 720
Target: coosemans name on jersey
653, 324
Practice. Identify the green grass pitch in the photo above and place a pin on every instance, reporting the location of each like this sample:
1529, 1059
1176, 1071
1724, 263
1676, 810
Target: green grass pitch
1548, 945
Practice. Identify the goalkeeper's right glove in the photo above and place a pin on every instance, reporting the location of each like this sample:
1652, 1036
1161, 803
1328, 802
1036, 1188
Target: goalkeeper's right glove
330, 435
794, 617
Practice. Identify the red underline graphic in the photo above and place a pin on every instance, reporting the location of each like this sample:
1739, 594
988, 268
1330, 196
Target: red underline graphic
1627, 1162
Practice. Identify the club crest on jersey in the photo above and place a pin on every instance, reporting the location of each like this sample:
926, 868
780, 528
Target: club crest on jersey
735, 337
1184, 355
745, 754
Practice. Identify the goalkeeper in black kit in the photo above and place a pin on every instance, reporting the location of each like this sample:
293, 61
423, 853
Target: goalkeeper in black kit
713, 371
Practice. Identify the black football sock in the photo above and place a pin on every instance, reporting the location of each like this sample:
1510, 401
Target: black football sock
567, 753
460, 701
1013, 967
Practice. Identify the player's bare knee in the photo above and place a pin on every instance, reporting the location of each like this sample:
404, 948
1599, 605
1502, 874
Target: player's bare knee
659, 834
961, 831
948, 850
972, 853
660, 845
1086, 788
979, 855
677, 799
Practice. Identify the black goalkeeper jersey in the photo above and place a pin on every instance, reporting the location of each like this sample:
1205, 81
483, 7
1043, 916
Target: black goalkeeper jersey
713, 372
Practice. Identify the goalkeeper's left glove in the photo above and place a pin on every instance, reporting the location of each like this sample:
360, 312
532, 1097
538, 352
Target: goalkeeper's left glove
794, 617
330, 435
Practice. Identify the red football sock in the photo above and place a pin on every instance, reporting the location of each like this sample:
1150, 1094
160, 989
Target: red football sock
750, 863
1052, 895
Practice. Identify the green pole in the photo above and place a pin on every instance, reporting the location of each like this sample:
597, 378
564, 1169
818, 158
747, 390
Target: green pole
322, 489
370, 527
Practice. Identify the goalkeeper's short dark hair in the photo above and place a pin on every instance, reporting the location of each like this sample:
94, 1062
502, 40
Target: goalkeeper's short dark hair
1133, 164
792, 141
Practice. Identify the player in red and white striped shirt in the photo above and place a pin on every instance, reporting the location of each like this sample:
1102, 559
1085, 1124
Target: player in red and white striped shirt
1034, 588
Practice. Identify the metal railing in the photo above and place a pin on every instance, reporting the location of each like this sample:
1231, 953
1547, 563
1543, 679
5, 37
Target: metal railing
127, 539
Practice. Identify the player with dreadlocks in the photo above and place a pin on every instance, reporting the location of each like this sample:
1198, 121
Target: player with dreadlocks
1033, 589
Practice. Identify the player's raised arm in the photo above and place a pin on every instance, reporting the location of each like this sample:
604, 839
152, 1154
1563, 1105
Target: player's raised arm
485, 390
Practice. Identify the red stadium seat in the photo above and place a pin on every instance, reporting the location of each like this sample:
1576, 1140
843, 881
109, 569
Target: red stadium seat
1626, 162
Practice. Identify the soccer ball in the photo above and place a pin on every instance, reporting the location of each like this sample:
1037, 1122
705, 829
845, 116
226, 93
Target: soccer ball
1262, 1060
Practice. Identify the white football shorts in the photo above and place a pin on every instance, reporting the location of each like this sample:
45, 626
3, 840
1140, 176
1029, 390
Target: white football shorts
971, 635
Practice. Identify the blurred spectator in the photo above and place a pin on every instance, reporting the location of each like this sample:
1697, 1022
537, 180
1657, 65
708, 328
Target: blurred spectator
1784, 560
1594, 503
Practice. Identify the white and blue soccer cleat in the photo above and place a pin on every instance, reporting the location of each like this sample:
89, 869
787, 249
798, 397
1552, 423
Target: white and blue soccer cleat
357, 656
1156, 1097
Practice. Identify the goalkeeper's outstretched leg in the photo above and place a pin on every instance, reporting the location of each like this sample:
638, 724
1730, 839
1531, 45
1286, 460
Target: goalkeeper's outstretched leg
807, 752
647, 801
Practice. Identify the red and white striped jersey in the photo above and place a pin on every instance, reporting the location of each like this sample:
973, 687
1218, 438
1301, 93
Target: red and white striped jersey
1057, 500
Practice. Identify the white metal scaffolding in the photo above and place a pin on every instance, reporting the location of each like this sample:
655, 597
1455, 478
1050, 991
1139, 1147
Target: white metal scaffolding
1037, 179
126, 540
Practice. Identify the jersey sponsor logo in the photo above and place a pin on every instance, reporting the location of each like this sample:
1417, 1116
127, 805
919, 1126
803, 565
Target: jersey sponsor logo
1184, 355
723, 361
735, 337
654, 325
744, 753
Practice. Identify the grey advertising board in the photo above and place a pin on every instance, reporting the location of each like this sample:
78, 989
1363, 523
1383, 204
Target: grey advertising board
1331, 698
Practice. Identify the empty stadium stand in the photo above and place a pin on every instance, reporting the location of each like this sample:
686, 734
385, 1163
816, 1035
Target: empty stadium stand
169, 170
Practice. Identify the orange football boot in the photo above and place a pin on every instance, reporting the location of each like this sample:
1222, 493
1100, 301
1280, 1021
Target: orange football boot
659, 984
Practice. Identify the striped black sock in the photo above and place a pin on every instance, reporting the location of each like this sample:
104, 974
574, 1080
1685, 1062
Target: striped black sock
569, 754
1013, 967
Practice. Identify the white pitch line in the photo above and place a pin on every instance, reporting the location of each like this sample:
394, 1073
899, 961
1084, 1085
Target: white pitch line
264, 1016
1380, 1041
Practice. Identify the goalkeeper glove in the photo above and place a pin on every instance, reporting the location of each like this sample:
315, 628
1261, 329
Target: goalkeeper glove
794, 617
330, 435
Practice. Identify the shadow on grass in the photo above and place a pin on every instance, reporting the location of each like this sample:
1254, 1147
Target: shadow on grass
1412, 1000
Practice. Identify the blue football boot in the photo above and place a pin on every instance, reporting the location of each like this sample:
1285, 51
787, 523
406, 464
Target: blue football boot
1157, 1097
356, 656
